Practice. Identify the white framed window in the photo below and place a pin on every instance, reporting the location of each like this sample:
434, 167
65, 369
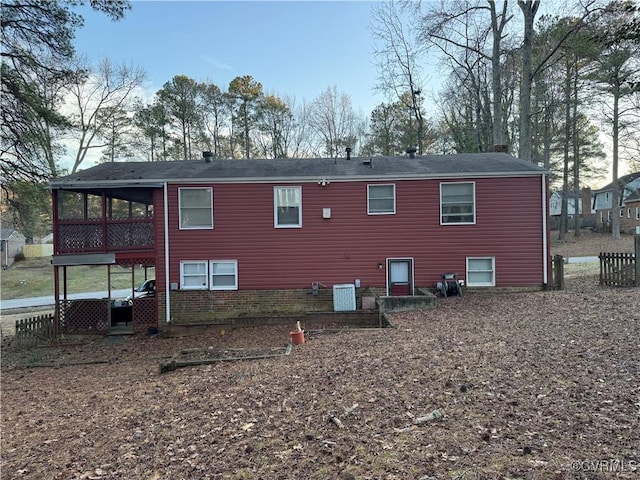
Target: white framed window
628, 213
193, 275
381, 199
622, 213
224, 274
195, 207
637, 213
287, 207
457, 203
481, 271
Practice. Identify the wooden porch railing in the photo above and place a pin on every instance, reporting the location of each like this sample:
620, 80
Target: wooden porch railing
86, 236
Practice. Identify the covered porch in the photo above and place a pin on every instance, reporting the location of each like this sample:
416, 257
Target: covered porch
109, 230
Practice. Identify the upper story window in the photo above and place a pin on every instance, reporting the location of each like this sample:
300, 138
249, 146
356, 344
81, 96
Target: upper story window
196, 208
637, 213
381, 199
287, 207
457, 203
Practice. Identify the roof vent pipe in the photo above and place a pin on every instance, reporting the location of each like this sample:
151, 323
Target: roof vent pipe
348, 150
207, 156
411, 151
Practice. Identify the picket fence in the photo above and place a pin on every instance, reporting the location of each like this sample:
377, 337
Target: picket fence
34, 330
618, 269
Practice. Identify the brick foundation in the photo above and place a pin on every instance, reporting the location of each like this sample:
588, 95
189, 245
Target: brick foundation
220, 307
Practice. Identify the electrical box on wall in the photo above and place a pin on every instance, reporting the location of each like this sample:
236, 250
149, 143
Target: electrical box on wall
326, 213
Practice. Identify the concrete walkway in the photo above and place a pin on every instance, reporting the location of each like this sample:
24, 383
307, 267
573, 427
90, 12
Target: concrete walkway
49, 301
582, 260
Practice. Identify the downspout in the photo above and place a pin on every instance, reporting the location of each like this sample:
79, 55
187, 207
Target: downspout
167, 296
545, 246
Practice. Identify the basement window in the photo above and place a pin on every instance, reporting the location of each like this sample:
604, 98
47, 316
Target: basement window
193, 275
481, 272
224, 274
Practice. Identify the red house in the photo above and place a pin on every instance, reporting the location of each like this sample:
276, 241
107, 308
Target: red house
231, 238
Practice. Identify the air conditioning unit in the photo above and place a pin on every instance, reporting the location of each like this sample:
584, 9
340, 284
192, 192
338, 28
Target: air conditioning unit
344, 297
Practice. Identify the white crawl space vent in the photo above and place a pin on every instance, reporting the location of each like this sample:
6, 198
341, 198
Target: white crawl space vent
344, 297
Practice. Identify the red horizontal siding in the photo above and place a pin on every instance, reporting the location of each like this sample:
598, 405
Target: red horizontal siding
351, 244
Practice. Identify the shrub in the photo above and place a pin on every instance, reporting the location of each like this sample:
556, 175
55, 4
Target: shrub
19, 257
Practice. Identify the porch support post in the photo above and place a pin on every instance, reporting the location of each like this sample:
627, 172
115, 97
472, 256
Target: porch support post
56, 299
109, 295
105, 247
637, 250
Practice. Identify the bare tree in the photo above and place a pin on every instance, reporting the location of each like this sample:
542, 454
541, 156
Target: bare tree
468, 34
397, 56
335, 122
97, 96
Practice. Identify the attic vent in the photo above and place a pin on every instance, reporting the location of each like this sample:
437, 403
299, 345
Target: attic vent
208, 156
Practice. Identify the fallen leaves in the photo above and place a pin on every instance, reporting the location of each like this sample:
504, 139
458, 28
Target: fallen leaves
527, 383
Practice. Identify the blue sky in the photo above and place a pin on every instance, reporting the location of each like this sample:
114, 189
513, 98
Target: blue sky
295, 48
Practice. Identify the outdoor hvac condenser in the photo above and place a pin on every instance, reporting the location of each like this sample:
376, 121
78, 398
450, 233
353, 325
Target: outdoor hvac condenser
344, 297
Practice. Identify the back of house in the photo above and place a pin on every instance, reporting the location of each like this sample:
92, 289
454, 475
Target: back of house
232, 238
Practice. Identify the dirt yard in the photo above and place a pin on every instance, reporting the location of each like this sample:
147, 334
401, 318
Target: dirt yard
537, 385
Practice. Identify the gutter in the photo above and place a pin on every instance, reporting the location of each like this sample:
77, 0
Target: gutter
545, 246
167, 299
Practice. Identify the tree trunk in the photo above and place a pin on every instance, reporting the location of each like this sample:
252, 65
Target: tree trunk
615, 194
577, 198
529, 9
497, 27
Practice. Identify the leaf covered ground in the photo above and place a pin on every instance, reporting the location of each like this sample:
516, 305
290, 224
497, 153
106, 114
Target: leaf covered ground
529, 385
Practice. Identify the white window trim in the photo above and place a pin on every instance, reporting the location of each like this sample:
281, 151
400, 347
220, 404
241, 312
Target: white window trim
275, 207
637, 213
180, 208
470, 283
474, 204
369, 212
206, 275
235, 271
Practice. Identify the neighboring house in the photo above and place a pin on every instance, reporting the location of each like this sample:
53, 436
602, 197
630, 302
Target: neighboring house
584, 207
629, 186
11, 243
630, 214
231, 238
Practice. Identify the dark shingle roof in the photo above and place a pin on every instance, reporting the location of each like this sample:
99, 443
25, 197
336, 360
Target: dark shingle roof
283, 170
5, 233
625, 179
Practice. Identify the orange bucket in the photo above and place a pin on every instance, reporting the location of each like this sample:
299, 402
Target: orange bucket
297, 337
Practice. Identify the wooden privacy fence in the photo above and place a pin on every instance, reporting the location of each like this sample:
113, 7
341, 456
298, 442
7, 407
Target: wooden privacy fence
618, 269
30, 331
